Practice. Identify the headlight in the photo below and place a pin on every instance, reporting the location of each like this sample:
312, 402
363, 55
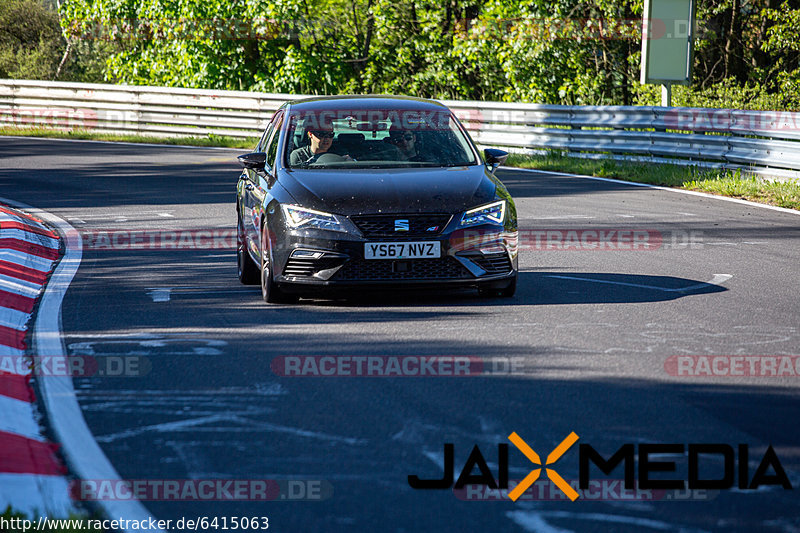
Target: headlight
301, 217
494, 212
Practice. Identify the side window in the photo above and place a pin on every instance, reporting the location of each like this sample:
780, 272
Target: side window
272, 145
263, 141
276, 118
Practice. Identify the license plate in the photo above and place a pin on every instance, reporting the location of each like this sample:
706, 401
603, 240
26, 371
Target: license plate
403, 250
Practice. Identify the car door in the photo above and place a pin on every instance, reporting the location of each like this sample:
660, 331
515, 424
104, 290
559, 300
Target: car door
257, 185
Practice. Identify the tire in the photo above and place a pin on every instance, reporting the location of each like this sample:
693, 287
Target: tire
246, 268
506, 292
270, 292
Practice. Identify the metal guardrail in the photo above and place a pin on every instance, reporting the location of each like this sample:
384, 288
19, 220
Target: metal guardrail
766, 143
156, 111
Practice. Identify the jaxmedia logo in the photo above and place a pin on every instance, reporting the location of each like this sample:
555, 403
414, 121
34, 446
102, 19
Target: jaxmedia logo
700, 457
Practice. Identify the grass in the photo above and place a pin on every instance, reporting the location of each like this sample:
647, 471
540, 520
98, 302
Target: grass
12, 522
715, 181
210, 140
722, 182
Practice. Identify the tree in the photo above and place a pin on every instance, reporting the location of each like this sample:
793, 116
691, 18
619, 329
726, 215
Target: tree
30, 40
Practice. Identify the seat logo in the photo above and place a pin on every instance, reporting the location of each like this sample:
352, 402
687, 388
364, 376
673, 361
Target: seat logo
401, 224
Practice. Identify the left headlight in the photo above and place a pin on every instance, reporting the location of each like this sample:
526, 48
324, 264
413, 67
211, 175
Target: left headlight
302, 217
493, 213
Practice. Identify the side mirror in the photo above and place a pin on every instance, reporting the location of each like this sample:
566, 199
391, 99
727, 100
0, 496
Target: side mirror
495, 157
253, 161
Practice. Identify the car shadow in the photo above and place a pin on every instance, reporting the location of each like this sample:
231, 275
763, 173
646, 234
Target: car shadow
537, 288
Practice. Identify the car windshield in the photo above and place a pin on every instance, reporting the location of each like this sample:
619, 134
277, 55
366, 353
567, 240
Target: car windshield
373, 138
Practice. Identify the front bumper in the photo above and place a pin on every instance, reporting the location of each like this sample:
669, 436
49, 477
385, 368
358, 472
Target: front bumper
317, 258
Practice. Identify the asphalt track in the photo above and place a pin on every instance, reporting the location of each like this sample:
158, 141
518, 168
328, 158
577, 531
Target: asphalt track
592, 328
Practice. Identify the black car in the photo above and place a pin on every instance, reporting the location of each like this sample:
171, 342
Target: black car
372, 190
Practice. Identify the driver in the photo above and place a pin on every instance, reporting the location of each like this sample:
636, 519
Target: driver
320, 143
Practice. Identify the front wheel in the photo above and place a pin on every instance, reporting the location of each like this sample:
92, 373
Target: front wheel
270, 292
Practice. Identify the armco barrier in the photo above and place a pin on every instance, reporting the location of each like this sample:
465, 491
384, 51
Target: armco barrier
766, 143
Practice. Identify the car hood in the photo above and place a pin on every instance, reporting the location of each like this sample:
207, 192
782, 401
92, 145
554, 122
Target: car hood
418, 190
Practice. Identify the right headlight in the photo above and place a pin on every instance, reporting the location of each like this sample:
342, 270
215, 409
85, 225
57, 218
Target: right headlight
494, 213
302, 217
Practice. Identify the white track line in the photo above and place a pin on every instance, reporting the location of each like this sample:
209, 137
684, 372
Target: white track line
83, 454
681, 191
718, 279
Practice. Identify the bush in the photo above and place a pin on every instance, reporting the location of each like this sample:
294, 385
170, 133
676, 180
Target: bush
31, 45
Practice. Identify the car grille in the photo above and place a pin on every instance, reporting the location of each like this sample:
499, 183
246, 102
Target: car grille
384, 225
306, 267
496, 263
421, 269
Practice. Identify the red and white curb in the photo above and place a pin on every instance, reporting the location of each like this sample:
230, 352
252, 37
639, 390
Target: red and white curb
31, 476
79, 448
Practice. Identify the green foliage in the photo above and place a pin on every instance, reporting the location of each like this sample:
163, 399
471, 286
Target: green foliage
726, 94
781, 194
747, 54
11, 517
714, 181
32, 46
30, 40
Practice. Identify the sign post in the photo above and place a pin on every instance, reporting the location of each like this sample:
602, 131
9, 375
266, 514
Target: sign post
668, 44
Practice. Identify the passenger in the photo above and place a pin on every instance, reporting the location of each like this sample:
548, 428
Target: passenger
320, 143
406, 141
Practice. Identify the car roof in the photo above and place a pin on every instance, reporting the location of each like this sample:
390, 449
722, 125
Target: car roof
369, 101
